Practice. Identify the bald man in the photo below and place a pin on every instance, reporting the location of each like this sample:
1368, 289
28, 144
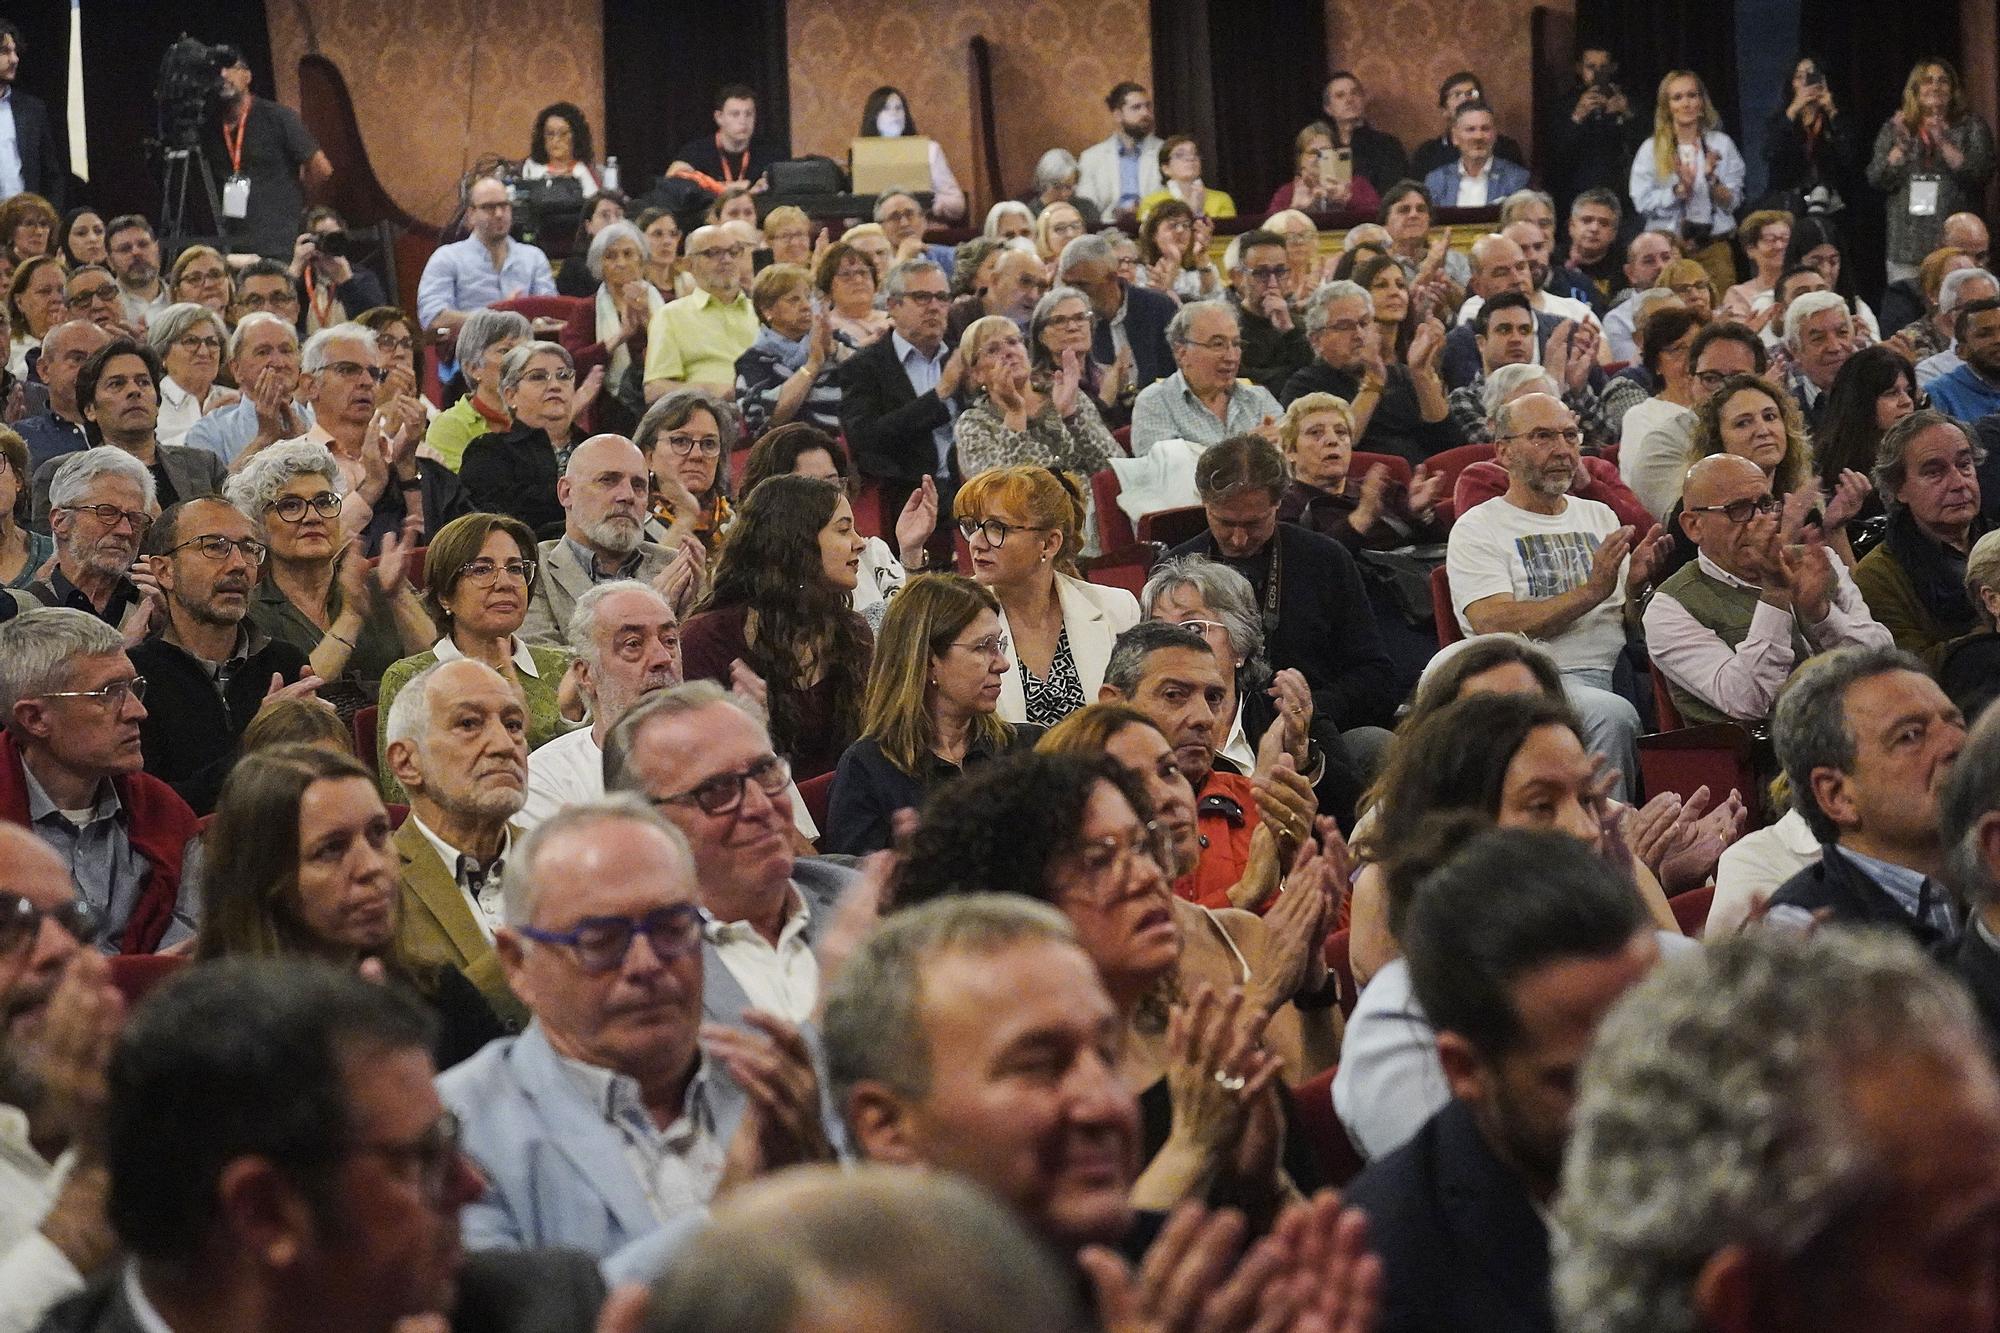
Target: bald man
1727, 628
1536, 248
1498, 265
694, 342
603, 494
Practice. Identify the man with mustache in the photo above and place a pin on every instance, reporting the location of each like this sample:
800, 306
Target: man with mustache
604, 494
208, 670
70, 772
100, 504
458, 743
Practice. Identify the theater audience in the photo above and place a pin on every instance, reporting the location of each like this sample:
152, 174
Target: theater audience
1319, 184
1914, 582
603, 493
1180, 178
693, 342
846, 279
23, 550
1397, 403
60, 429
1965, 832
133, 253
1656, 435
1968, 669
1873, 391
1131, 331
899, 394
625, 305
1373, 511
1115, 173
514, 473
484, 340
37, 298
1749, 417
1016, 419
1687, 179
1939, 349
1765, 236
1474, 177
199, 275
1274, 347
1972, 389
1646, 255
1022, 529
264, 362
487, 267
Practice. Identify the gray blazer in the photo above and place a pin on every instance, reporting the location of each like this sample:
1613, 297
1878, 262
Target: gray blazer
821, 883
564, 579
195, 473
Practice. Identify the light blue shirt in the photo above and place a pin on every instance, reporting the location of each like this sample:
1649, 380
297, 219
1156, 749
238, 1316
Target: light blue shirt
924, 373
1965, 394
1915, 892
10, 148
227, 431
461, 276
1128, 174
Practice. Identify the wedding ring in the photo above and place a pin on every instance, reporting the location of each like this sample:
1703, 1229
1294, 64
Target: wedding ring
1229, 1082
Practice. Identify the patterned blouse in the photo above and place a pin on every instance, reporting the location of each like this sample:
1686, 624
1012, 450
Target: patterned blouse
1079, 443
708, 524
1052, 699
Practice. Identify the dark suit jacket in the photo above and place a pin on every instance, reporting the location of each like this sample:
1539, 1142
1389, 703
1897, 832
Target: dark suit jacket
499, 1291
1378, 157
1835, 882
1326, 627
886, 424
1460, 364
195, 473
1147, 314
1461, 1244
44, 166
1977, 964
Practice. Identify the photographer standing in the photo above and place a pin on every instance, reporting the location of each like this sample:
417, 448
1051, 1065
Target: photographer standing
1810, 147
263, 160
1595, 133
336, 289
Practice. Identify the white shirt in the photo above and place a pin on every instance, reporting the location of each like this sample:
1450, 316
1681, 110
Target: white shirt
1754, 866
34, 1274
782, 980
10, 147
143, 1312
524, 661
570, 769
1472, 190
678, 1167
486, 904
1653, 445
1500, 548
179, 411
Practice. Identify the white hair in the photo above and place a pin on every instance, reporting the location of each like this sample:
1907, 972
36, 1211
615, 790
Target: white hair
620, 230
581, 632
253, 321
76, 475
1510, 382
1006, 208
177, 320
39, 648
410, 711
315, 356
256, 486
1955, 281
1054, 167
1805, 307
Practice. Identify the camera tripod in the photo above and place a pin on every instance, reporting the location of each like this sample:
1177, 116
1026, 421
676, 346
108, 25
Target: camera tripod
181, 166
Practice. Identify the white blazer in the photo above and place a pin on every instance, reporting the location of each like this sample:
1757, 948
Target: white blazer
1097, 171
1093, 616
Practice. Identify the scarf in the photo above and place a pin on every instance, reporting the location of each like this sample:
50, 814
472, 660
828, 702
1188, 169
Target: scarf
1935, 571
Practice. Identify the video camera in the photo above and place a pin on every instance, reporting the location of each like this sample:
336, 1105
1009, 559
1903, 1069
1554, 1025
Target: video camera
189, 90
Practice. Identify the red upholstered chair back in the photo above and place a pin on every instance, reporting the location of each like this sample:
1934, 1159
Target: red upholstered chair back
1312, 1101
1114, 526
1448, 631
135, 974
1398, 466
817, 793
364, 735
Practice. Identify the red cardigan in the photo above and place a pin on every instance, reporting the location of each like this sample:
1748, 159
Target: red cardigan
158, 822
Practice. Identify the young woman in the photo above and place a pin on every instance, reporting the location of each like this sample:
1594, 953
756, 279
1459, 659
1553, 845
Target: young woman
1687, 179
1932, 158
560, 145
887, 115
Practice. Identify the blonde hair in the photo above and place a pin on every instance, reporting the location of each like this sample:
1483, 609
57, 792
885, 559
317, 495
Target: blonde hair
924, 618
981, 331
1285, 220
1043, 225
1686, 270
1931, 273
1309, 405
1043, 496
1663, 120
785, 214
776, 282
1912, 114
1794, 469
1751, 229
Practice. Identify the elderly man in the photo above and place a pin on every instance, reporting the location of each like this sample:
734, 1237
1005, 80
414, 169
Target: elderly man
457, 743
1961, 287
133, 254
264, 360
693, 342
1867, 740
1203, 402
101, 502
1541, 562
1274, 347
1019, 281
1903, 302
1499, 266
117, 389
1728, 627
71, 771
208, 669
487, 266
896, 396
1131, 321
1534, 240
1819, 337
61, 429
1594, 218
1973, 389
903, 220
603, 493
1397, 408
1120, 171
1377, 155
1969, 831
1597, 479
61, 1017
1517, 947
318, 1175
91, 293
1475, 177
1317, 615
705, 761
1864, 1206
1645, 255
484, 340
1927, 471
616, 1110
1504, 332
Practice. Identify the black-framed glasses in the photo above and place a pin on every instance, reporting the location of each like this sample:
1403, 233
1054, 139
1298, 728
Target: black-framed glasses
350, 369
435, 1152
107, 292
292, 508
195, 342
1270, 272
250, 301
1106, 860
926, 298
112, 696
600, 943
708, 446
217, 547
723, 793
1741, 511
1546, 437
994, 530
485, 572
111, 516
21, 921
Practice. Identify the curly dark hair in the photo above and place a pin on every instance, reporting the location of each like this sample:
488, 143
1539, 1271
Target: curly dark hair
1167, 210
770, 563
580, 145
777, 451
1850, 438
1001, 827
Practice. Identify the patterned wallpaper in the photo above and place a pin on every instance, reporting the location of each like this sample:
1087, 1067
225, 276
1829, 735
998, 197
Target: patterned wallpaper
1053, 63
438, 84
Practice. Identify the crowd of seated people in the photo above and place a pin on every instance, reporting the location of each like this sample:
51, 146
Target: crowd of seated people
1144, 765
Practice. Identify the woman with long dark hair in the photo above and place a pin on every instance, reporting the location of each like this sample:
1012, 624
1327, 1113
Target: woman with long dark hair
560, 145
887, 115
1874, 390
1810, 147
1818, 244
780, 605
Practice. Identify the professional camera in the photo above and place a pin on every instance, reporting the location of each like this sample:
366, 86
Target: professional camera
333, 245
189, 92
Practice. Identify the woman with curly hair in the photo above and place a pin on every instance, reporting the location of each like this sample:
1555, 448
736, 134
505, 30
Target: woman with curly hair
28, 227
780, 605
560, 146
1173, 252
1752, 418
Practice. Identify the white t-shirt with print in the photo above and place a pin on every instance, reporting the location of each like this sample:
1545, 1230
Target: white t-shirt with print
1497, 547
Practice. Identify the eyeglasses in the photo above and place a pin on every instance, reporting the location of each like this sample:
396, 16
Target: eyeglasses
435, 1152
708, 446
292, 508
719, 252
1711, 379
218, 547
1205, 628
21, 921
992, 646
194, 342
926, 298
1547, 438
600, 943
484, 573
1106, 860
1342, 326
388, 344
108, 292
1217, 344
539, 377
902, 215
350, 369
1740, 511
251, 301
110, 516
203, 275
1067, 321
723, 793
856, 271
112, 696
993, 530
1270, 272
1690, 288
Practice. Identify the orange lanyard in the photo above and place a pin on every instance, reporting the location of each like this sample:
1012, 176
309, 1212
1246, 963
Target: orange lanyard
321, 313
235, 146
742, 163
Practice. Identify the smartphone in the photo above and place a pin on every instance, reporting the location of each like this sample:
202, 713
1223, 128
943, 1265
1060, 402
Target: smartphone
1341, 169
1816, 79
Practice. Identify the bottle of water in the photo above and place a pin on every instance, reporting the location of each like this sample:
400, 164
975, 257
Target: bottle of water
610, 173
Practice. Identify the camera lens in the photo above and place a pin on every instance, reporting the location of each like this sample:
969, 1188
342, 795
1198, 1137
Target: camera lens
332, 244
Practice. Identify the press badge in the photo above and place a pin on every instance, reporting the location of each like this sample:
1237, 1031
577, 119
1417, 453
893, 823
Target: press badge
236, 197
1923, 196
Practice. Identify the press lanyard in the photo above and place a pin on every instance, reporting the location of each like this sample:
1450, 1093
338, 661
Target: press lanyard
235, 146
742, 163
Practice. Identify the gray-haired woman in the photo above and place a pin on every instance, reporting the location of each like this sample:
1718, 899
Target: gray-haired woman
626, 304
188, 338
